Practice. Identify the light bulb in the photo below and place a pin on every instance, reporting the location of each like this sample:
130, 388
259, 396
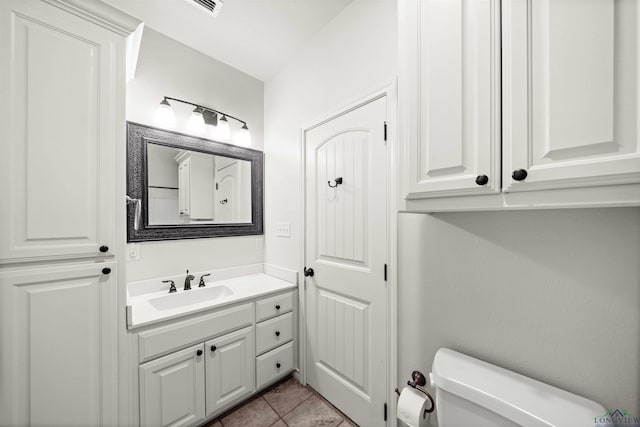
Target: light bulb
224, 133
243, 137
196, 121
164, 115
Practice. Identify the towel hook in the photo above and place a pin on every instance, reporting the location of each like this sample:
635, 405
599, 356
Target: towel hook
338, 181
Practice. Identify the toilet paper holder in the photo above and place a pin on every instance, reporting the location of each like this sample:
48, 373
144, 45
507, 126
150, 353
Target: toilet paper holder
418, 381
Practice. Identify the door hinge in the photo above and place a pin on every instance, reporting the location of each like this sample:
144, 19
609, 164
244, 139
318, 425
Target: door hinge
385, 412
385, 272
385, 131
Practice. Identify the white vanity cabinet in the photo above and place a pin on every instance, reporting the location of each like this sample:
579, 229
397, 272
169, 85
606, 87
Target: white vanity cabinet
197, 368
274, 338
558, 110
172, 389
230, 369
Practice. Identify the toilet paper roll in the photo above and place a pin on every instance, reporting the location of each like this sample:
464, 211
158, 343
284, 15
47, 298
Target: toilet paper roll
411, 407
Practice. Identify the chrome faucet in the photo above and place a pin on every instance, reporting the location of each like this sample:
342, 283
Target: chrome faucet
187, 281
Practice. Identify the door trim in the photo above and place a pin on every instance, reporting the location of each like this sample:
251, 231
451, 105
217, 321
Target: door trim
391, 93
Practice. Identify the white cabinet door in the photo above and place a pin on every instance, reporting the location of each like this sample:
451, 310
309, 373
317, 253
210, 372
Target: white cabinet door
62, 87
172, 389
59, 346
230, 369
570, 93
184, 182
449, 90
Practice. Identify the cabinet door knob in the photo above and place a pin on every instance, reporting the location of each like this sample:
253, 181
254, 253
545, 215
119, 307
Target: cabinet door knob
199, 352
482, 179
277, 307
213, 348
278, 365
519, 175
104, 248
308, 272
277, 333
106, 270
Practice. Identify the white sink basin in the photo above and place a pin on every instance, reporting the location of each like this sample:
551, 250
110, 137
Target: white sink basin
194, 296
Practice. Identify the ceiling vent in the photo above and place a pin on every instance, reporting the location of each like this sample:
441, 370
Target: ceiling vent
210, 7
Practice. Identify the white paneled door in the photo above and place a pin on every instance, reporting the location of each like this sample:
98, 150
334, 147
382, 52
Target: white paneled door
346, 246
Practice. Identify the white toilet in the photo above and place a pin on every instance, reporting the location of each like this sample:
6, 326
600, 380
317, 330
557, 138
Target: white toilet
470, 392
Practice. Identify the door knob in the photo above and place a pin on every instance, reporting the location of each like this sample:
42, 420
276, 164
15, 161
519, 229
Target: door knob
308, 272
104, 248
278, 365
277, 333
106, 270
199, 352
482, 179
519, 175
277, 307
213, 348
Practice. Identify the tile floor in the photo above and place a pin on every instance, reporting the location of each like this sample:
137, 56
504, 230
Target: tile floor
288, 403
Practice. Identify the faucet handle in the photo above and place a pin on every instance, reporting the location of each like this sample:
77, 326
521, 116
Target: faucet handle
172, 288
201, 284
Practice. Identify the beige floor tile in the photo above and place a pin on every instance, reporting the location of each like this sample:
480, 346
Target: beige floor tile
313, 412
286, 396
255, 413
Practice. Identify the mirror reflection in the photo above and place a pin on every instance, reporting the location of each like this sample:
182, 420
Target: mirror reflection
191, 187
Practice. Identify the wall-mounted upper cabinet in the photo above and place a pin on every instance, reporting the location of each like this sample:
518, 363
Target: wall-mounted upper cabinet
449, 81
558, 109
570, 93
61, 116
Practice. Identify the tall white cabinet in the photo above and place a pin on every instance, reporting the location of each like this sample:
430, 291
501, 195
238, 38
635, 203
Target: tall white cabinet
501, 99
61, 144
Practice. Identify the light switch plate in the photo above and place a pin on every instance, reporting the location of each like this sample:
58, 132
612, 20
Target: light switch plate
283, 229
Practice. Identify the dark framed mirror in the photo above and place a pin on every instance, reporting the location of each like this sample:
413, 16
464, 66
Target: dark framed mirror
185, 187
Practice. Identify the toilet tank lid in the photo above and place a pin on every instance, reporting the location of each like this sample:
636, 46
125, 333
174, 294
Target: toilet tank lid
520, 399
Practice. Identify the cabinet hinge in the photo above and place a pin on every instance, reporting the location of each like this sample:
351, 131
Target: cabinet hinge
385, 412
385, 131
385, 272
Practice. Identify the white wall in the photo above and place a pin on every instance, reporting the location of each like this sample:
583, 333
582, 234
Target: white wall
554, 295
168, 68
352, 56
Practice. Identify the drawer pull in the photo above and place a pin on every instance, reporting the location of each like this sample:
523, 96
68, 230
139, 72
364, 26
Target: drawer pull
106, 270
277, 333
278, 365
199, 352
213, 348
277, 307
104, 248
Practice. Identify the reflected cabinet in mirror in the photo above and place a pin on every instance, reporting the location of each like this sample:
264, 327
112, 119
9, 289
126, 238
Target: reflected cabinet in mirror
185, 187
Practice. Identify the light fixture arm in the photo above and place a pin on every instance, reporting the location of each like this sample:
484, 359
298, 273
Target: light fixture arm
205, 108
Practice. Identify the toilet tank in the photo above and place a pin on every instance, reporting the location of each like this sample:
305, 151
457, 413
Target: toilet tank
470, 392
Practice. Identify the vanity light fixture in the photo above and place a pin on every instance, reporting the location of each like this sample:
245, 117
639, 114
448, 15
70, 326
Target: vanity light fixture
202, 116
244, 137
224, 132
164, 115
196, 121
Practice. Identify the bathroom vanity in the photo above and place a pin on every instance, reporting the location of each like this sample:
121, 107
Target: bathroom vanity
199, 352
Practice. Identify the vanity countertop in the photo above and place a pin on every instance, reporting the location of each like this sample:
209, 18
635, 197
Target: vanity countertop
154, 307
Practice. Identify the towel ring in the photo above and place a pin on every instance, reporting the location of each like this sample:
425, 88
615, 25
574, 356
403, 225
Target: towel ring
338, 181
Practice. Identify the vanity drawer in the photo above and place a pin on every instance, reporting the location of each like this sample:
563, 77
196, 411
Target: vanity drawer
274, 306
274, 332
164, 339
274, 364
